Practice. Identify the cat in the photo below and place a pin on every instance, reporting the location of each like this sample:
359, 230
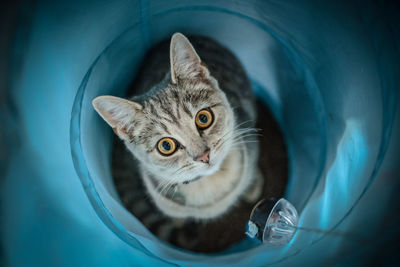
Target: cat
192, 132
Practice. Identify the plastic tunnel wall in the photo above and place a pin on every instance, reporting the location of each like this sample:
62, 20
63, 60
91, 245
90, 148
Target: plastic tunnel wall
329, 72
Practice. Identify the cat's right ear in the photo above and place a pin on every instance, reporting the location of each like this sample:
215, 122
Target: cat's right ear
119, 113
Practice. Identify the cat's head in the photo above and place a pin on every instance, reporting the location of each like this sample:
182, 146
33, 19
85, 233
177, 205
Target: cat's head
182, 131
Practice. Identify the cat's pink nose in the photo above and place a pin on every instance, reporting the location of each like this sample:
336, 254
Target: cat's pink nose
205, 157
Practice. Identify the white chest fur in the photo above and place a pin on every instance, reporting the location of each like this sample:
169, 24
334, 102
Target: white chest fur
210, 196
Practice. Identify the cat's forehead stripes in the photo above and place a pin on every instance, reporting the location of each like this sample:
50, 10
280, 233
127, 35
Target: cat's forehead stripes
169, 103
198, 97
152, 109
186, 109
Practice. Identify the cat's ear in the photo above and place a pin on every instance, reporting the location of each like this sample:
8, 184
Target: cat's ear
185, 63
119, 113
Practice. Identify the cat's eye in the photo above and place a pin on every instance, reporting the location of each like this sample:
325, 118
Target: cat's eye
167, 146
204, 119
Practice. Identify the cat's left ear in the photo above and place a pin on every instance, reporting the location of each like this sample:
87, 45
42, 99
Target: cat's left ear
185, 63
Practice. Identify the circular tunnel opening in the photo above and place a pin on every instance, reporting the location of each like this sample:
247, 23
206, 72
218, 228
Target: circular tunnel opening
281, 78
114, 69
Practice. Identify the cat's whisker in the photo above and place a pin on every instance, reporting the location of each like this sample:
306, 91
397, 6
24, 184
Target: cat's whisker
161, 185
237, 132
228, 132
178, 170
173, 194
167, 188
223, 142
237, 137
243, 122
238, 143
242, 143
249, 131
246, 132
245, 141
182, 169
164, 186
246, 136
168, 183
247, 128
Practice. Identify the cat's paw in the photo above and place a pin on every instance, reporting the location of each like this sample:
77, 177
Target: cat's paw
254, 191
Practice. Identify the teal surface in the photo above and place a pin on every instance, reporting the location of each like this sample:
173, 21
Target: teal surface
330, 73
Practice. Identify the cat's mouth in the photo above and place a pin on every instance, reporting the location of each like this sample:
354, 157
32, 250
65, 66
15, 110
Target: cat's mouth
207, 170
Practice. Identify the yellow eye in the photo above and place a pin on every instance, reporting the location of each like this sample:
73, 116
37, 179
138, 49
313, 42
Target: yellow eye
204, 118
166, 146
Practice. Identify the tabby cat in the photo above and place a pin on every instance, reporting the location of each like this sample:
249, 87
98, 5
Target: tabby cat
192, 132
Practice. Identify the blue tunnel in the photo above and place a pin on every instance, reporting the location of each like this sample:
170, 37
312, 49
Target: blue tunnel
329, 71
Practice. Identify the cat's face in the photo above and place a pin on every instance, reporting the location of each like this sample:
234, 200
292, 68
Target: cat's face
183, 130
